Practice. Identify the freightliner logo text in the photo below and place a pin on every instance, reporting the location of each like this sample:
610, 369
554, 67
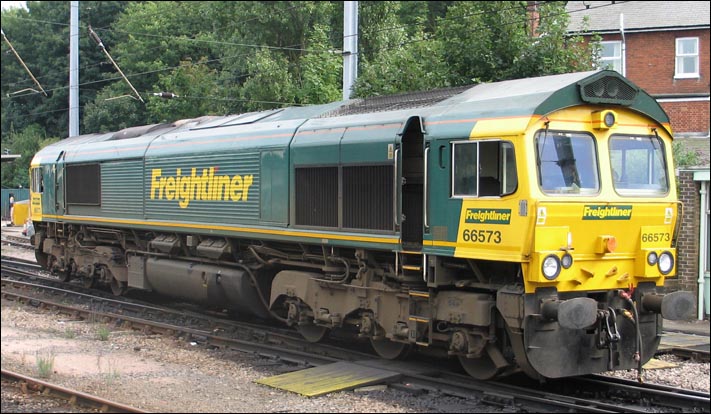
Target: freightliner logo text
601, 212
488, 216
208, 186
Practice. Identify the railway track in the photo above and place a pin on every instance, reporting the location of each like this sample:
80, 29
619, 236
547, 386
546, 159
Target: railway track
22, 242
301, 354
73, 397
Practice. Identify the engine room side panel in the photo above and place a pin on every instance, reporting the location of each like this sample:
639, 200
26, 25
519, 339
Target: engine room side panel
211, 188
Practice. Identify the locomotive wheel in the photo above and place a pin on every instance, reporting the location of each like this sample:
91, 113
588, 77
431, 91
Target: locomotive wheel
389, 349
64, 275
88, 281
480, 368
312, 333
117, 287
42, 259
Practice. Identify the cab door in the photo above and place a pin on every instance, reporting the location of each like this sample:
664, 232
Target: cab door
412, 184
59, 185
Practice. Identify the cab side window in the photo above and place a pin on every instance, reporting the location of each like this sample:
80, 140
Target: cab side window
37, 184
483, 169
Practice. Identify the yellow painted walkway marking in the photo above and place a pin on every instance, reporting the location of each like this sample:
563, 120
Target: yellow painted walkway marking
338, 376
658, 364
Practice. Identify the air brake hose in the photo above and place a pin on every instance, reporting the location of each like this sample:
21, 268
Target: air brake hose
638, 334
260, 293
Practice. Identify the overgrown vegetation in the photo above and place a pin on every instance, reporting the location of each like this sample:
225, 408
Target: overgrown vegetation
102, 333
45, 364
684, 157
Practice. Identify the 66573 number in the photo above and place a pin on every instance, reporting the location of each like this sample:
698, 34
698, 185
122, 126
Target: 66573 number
481, 236
655, 237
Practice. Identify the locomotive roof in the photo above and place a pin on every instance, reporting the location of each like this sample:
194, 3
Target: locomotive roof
440, 110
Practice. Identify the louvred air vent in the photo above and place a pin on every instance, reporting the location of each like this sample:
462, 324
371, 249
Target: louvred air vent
608, 89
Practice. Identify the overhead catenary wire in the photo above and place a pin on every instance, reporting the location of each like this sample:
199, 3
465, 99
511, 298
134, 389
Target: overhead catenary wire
96, 38
17, 55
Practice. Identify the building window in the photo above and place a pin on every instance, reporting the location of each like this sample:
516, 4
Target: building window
611, 56
687, 57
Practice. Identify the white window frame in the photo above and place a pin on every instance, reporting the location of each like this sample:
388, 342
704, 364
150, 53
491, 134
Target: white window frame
616, 61
679, 56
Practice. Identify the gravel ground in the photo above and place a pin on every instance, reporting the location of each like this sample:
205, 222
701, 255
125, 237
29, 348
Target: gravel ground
163, 374
685, 374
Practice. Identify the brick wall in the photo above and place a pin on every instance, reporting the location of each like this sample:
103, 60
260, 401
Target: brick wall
688, 239
688, 116
651, 62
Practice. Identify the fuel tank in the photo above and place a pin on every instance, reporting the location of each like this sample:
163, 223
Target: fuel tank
206, 284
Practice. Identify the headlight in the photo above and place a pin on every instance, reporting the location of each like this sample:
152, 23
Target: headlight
551, 267
566, 261
652, 258
666, 263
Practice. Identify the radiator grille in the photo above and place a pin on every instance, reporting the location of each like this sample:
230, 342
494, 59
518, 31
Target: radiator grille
395, 102
368, 197
83, 184
317, 196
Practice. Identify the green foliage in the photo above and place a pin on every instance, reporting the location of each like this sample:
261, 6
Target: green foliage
113, 109
45, 364
394, 62
199, 94
102, 333
321, 70
270, 84
40, 35
684, 157
26, 143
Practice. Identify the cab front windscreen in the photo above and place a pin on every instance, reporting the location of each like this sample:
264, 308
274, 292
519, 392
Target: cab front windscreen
567, 162
638, 164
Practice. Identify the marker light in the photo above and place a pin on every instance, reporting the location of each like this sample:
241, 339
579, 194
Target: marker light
652, 258
551, 267
566, 261
666, 262
604, 119
609, 119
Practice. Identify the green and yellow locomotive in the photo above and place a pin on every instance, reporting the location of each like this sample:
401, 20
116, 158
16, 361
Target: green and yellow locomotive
525, 225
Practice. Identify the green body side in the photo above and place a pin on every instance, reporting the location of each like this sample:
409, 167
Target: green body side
259, 152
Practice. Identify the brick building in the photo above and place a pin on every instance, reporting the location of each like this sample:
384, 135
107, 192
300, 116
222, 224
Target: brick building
663, 47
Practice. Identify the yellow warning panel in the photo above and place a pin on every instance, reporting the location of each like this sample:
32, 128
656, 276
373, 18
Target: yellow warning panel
658, 364
338, 376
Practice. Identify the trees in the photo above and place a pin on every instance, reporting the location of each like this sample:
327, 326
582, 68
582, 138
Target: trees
26, 143
231, 57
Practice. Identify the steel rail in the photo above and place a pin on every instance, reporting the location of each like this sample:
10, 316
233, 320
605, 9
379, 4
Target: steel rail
446, 383
70, 395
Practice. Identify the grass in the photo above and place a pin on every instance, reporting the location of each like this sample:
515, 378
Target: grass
102, 333
70, 333
45, 364
112, 371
